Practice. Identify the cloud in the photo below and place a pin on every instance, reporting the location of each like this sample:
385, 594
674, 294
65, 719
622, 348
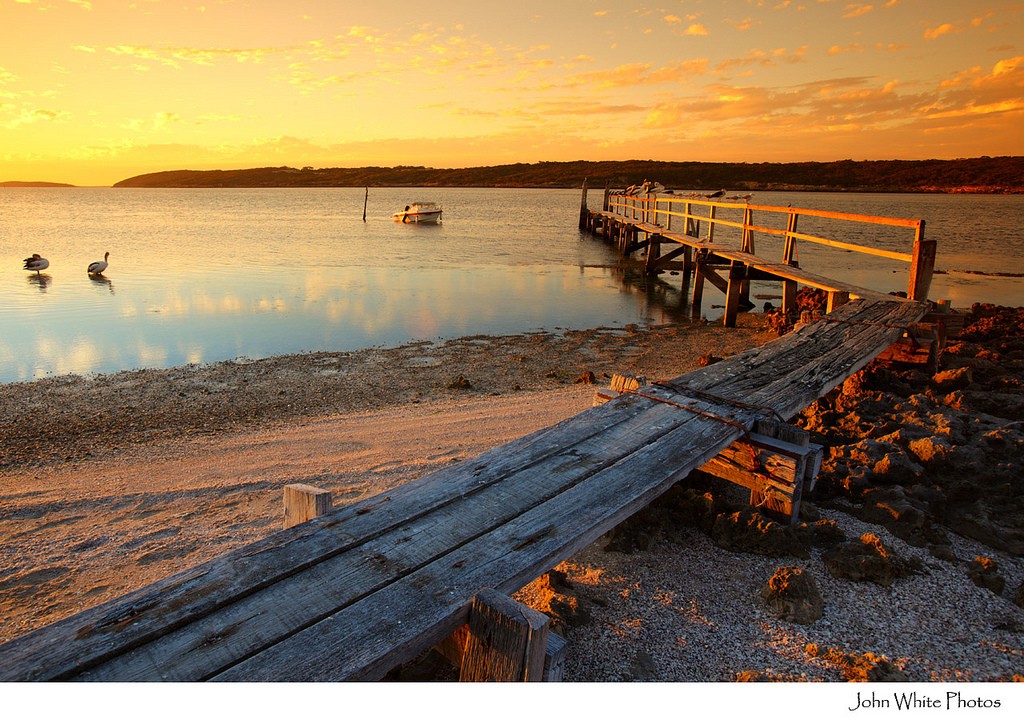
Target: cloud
857, 9
852, 47
945, 28
760, 57
696, 29
40, 115
174, 56
637, 74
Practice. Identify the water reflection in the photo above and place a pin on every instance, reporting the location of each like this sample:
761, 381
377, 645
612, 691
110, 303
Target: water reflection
102, 281
41, 281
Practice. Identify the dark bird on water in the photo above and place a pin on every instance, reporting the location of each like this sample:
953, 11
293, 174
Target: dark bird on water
36, 263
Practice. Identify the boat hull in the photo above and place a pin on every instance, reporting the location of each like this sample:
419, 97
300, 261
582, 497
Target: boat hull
422, 216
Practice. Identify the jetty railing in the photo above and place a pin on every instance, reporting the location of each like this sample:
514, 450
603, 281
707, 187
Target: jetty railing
695, 221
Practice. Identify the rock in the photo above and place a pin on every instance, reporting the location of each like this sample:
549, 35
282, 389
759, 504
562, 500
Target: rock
984, 572
896, 468
860, 668
793, 595
644, 667
460, 383
867, 559
931, 450
942, 552
708, 359
903, 515
586, 378
823, 533
949, 380
1018, 597
750, 531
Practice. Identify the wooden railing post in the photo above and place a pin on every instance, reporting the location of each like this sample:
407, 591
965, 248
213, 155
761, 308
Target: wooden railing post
748, 234
922, 265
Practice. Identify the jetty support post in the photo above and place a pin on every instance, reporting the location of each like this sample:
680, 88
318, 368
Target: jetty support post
504, 641
584, 211
699, 270
607, 195
922, 265
733, 293
304, 502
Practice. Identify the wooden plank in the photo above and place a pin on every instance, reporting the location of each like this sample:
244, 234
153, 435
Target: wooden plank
506, 641
302, 503
342, 647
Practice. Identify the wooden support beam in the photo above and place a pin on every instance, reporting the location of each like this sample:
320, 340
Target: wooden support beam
699, 270
715, 279
772, 469
836, 298
789, 297
687, 270
303, 503
454, 648
653, 254
507, 640
922, 265
737, 273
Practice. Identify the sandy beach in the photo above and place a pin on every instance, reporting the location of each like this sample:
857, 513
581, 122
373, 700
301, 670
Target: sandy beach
110, 482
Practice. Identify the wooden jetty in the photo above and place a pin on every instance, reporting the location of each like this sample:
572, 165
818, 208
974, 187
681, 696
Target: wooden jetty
686, 233
357, 590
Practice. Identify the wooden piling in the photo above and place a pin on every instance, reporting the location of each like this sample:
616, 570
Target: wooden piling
584, 211
922, 265
507, 640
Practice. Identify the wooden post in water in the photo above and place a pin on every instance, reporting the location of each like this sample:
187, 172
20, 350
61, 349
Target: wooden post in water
366, 197
583, 206
304, 502
921, 265
607, 192
698, 283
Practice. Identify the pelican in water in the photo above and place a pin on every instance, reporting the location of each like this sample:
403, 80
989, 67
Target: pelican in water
99, 266
36, 263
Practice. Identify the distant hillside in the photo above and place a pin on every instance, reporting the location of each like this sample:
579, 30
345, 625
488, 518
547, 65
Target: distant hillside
17, 184
977, 175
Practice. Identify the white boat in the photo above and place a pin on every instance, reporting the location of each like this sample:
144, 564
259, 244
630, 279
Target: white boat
419, 212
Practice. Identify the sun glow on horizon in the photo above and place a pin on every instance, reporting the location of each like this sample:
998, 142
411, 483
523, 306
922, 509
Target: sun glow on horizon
94, 92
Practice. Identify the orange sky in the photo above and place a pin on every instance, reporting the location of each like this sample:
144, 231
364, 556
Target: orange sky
94, 91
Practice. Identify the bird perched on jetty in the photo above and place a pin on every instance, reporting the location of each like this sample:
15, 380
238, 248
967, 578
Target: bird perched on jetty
95, 268
36, 263
716, 194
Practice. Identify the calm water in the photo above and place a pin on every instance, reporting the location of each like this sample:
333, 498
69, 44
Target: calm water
206, 275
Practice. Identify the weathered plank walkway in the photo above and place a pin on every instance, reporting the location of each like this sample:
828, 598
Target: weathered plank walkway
353, 593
